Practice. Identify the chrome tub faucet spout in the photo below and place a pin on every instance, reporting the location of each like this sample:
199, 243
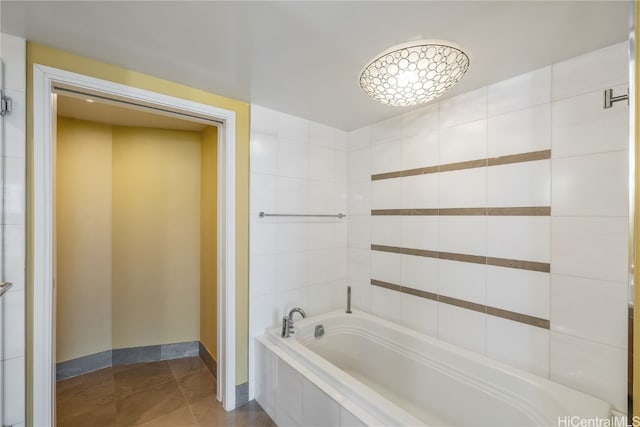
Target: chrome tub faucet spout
287, 321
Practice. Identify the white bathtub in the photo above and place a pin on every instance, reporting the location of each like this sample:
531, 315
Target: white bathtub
400, 377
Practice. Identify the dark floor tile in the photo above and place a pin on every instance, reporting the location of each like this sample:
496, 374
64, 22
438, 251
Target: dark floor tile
209, 412
198, 385
78, 396
103, 416
149, 395
70, 385
179, 418
149, 403
185, 366
131, 379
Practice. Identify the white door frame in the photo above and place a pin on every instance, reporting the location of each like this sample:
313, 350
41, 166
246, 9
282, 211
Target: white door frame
44, 80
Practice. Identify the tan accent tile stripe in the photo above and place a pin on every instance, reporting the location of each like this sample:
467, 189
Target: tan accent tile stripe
420, 171
395, 212
519, 158
463, 211
421, 294
520, 211
386, 285
522, 265
518, 317
471, 164
475, 259
462, 303
492, 311
509, 211
405, 212
405, 251
387, 175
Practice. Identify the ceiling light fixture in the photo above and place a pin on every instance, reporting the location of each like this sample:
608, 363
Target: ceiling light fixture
90, 101
414, 73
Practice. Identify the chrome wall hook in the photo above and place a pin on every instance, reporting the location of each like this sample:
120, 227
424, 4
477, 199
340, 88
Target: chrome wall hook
609, 99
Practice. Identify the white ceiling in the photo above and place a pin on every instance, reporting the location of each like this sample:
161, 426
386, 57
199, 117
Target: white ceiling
77, 107
304, 58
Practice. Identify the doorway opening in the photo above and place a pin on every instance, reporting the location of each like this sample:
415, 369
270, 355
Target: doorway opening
135, 262
155, 245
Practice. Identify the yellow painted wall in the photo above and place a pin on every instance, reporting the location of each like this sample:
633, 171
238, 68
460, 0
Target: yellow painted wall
39, 54
156, 236
83, 229
208, 240
128, 237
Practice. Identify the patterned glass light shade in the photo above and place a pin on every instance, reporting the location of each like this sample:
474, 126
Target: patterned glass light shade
414, 73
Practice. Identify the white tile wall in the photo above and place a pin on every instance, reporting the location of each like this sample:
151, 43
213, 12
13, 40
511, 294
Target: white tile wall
420, 150
585, 240
386, 130
462, 280
527, 347
419, 191
385, 157
386, 304
520, 184
597, 317
419, 232
521, 291
386, 230
462, 235
386, 193
420, 314
593, 247
13, 53
600, 69
466, 188
421, 121
590, 184
419, 273
594, 368
297, 166
463, 142
581, 126
464, 108
519, 237
462, 327
520, 131
520, 92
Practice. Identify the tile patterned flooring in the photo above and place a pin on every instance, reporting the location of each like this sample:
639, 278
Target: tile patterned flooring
171, 393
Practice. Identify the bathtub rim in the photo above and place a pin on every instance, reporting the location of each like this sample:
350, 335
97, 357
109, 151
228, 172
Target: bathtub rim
370, 400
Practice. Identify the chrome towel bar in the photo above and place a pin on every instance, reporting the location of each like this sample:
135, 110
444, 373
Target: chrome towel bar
340, 215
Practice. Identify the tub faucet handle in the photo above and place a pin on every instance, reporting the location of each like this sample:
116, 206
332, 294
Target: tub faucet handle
287, 327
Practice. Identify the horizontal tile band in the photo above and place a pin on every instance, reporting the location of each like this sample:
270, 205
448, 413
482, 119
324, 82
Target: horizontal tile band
542, 267
509, 211
492, 311
472, 164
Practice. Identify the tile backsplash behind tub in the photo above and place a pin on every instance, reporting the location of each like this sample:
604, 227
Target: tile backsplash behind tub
297, 167
497, 220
